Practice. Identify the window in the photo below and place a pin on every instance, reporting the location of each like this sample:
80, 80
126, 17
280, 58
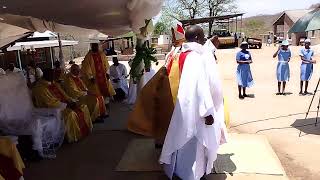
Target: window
313, 33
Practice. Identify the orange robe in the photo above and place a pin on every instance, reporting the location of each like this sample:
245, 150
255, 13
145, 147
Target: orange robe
155, 104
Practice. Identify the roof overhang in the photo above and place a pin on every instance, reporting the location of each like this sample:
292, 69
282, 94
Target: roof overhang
11, 40
110, 17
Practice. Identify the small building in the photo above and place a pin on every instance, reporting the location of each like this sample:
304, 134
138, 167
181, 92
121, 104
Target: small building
286, 21
309, 26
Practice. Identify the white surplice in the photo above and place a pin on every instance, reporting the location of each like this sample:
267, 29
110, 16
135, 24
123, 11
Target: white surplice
216, 90
119, 72
190, 147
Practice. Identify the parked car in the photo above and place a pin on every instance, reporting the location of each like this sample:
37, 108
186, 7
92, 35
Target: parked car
254, 43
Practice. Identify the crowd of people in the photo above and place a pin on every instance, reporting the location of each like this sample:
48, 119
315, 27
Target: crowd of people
72, 101
244, 75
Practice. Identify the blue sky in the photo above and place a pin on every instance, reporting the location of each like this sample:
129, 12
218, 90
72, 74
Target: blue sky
256, 7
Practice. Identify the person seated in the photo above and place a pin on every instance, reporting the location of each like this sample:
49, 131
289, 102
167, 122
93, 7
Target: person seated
77, 120
118, 76
2, 72
59, 73
12, 69
33, 73
76, 89
11, 164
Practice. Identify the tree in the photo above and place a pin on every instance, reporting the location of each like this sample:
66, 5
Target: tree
219, 7
160, 28
191, 9
183, 9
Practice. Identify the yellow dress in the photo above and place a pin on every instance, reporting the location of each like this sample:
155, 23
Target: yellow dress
96, 65
9, 150
76, 89
77, 122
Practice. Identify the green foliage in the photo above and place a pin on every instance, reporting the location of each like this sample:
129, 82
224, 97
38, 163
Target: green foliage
160, 28
145, 54
253, 28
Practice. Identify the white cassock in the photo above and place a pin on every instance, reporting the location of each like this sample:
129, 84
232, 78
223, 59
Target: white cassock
216, 90
133, 87
190, 147
119, 72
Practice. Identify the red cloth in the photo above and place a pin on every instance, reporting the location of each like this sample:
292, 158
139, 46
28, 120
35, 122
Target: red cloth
100, 75
7, 169
57, 93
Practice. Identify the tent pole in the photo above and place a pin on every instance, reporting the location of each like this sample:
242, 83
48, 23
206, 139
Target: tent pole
51, 56
19, 60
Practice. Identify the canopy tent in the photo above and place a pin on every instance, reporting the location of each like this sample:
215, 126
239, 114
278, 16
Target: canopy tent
40, 44
110, 17
309, 22
5, 42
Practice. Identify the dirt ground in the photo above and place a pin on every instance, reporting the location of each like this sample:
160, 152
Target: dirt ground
278, 117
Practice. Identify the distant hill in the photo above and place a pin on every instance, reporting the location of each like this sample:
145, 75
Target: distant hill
261, 24
256, 25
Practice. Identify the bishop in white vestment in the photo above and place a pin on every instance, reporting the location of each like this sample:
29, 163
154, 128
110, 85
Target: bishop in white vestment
195, 130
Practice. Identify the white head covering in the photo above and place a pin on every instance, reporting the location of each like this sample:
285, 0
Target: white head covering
307, 41
285, 43
244, 43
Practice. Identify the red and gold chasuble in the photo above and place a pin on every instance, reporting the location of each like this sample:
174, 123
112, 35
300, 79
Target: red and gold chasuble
84, 129
101, 75
174, 71
100, 99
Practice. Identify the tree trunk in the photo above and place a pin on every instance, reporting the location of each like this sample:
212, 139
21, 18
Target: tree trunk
210, 23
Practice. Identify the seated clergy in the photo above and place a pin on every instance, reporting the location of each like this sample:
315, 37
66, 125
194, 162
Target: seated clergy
47, 94
118, 76
12, 69
59, 73
76, 89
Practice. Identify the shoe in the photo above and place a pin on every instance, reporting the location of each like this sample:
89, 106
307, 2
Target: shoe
99, 120
241, 97
278, 94
301, 94
245, 95
308, 93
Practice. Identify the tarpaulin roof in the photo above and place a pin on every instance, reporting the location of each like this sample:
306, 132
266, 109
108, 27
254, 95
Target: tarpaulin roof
112, 17
40, 44
5, 42
309, 22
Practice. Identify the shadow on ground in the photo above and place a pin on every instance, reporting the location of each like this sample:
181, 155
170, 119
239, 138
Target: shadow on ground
307, 126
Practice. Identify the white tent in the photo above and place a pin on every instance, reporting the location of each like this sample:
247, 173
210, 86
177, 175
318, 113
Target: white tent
40, 44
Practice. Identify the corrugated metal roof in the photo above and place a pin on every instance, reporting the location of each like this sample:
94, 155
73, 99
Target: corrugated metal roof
309, 22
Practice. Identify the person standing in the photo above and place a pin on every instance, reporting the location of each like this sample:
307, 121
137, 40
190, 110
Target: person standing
95, 71
244, 76
190, 146
306, 55
283, 70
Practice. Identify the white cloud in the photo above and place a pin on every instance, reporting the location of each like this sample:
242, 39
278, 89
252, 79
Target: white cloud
256, 7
